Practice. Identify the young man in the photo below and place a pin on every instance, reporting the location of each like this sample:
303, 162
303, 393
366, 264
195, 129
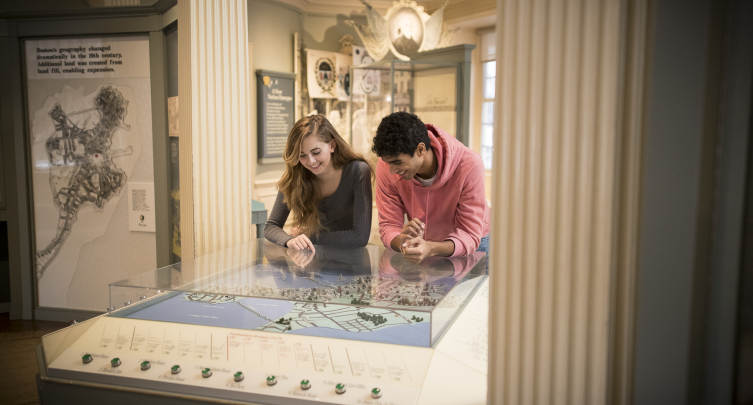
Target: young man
434, 179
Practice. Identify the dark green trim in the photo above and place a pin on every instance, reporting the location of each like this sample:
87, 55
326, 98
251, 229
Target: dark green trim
8, 29
163, 6
170, 16
18, 208
264, 72
161, 145
159, 7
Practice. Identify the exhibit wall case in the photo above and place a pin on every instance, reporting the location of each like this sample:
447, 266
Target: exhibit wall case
266, 324
427, 89
90, 121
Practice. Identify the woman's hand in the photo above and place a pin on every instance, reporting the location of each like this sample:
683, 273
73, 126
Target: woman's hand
301, 258
301, 242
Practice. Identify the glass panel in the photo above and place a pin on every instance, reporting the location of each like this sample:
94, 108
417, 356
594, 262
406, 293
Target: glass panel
490, 70
487, 135
330, 293
486, 156
371, 99
489, 88
487, 112
56, 342
487, 141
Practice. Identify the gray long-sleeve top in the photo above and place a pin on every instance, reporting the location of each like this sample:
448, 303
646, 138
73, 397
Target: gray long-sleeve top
345, 215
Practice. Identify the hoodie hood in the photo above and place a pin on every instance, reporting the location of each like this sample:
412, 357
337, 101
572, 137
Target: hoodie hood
448, 151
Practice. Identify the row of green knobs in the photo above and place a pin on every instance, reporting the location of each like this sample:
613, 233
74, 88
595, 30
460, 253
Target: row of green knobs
206, 373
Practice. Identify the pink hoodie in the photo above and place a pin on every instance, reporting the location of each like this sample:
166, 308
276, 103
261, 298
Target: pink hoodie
452, 208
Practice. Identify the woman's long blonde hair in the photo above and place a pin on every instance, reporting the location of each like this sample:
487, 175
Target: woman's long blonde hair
298, 184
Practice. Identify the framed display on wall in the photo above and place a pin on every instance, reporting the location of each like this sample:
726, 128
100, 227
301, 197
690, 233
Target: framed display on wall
90, 121
275, 112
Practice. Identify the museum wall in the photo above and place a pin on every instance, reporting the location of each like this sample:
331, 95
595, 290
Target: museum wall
324, 32
272, 42
676, 272
270, 32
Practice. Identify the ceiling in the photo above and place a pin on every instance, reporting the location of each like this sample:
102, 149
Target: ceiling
461, 13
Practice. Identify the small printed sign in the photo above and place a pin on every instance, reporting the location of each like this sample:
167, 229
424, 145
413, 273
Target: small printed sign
141, 207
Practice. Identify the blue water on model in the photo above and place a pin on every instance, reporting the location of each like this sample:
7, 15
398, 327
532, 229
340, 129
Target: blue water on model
245, 314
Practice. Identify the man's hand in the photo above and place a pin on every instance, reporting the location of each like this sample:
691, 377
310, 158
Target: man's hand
412, 229
301, 242
416, 249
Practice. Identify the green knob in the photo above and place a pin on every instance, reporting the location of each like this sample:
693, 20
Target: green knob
305, 384
340, 388
206, 373
115, 362
175, 369
145, 365
238, 376
271, 380
376, 393
87, 358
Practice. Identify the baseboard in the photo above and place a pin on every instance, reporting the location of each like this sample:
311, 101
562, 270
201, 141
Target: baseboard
16, 314
64, 314
4, 307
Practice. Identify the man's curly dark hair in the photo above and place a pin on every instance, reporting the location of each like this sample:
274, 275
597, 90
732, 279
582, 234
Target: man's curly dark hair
398, 133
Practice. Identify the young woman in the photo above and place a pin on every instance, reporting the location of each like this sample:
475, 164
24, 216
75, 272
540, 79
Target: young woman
327, 187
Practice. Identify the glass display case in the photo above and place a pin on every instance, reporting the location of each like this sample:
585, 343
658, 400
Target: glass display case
259, 323
367, 294
427, 89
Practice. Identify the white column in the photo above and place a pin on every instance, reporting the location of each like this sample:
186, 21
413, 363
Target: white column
553, 194
216, 145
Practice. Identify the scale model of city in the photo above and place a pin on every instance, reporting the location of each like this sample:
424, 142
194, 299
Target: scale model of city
388, 309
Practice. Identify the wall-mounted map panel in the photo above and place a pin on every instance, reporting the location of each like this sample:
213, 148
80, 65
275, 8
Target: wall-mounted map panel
90, 135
